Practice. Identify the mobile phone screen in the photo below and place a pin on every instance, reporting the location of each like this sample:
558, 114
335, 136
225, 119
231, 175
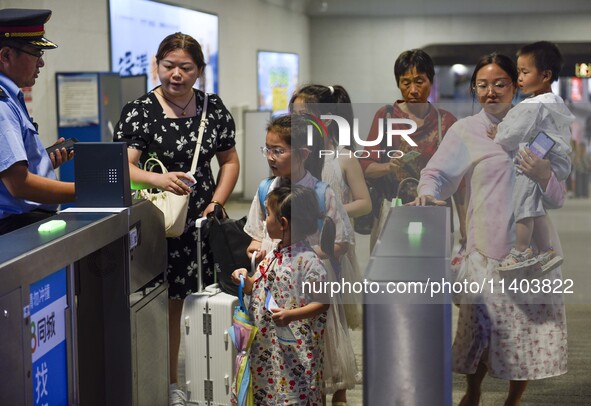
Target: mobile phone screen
541, 145
409, 156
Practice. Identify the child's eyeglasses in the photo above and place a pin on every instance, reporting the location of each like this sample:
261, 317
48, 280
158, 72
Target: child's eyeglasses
273, 152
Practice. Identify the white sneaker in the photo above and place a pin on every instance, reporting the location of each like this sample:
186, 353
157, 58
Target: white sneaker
176, 397
518, 260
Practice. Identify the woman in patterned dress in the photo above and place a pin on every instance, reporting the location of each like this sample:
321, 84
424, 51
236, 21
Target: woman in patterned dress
517, 336
164, 124
414, 72
289, 372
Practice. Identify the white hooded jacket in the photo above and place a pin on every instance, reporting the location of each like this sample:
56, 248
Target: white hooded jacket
543, 113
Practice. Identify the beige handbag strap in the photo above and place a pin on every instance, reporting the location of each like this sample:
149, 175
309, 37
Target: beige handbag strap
154, 162
202, 125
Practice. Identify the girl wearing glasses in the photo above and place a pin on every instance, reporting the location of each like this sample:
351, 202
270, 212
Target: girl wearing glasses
291, 159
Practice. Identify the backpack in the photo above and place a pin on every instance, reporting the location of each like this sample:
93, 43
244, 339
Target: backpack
379, 189
320, 189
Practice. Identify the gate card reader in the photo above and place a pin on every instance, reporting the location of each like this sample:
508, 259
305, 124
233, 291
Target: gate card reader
101, 171
407, 336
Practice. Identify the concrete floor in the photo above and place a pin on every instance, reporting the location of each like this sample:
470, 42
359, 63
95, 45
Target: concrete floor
573, 223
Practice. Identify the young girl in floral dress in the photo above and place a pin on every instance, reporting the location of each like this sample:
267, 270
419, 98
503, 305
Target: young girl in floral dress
289, 373
291, 159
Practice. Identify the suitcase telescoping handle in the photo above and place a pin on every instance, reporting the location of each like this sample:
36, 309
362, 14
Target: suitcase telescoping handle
211, 289
199, 223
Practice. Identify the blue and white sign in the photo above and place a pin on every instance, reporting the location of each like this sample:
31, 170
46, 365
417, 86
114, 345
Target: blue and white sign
47, 306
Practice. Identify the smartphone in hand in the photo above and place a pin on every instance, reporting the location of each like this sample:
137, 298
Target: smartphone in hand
409, 156
541, 145
191, 182
67, 144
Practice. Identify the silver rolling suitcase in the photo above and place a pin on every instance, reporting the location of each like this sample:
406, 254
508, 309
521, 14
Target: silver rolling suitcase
209, 352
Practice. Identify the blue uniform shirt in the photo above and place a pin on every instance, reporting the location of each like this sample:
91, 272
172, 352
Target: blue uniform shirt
19, 141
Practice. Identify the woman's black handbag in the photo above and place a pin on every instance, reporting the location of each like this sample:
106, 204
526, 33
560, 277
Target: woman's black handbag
379, 189
228, 243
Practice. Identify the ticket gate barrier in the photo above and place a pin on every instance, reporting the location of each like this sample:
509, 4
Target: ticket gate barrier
100, 337
407, 328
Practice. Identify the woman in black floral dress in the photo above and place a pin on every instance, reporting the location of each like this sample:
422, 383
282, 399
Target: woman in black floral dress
164, 124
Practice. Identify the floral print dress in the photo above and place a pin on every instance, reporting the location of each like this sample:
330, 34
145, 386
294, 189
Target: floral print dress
144, 126
340, 368
285, 374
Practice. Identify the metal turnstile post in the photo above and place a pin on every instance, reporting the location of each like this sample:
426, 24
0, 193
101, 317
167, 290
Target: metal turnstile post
407, 329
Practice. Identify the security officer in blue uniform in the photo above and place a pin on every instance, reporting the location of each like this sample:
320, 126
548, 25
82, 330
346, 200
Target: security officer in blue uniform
29, 189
